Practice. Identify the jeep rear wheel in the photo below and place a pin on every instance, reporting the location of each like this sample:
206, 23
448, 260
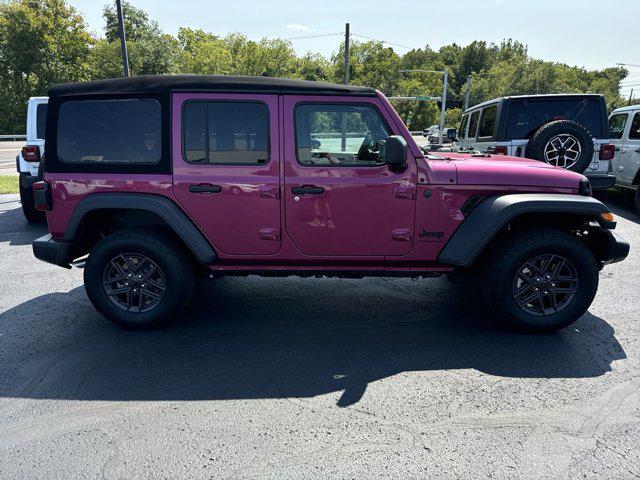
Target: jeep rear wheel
139, 279
29, 205
540, 280
562, 143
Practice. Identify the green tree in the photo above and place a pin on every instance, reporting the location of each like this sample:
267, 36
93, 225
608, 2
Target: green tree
150, 50
41, 42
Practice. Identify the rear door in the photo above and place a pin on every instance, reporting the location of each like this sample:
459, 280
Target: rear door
630, 150
226, 169
618, 130
340, 200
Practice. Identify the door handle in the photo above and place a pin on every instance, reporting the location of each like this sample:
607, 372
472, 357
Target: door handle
307, 190
637, 150
205, 188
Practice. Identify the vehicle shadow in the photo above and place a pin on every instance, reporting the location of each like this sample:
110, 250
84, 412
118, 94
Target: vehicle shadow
621, 203
276, 338
16, 230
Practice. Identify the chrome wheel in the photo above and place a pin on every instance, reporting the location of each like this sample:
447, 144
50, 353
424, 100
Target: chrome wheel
545, 285
562, 151
133, 282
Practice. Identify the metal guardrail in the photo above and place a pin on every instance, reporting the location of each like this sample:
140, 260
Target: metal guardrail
13, 137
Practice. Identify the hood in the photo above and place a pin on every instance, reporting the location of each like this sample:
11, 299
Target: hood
515, 171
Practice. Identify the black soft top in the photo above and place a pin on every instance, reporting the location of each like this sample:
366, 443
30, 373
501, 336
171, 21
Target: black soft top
158, 84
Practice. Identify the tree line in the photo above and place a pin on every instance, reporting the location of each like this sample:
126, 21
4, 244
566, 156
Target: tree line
47, 41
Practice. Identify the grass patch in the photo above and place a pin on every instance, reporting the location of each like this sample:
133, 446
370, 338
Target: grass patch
8, 184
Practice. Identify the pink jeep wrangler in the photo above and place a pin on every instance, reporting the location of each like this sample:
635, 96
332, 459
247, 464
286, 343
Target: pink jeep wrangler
159, 179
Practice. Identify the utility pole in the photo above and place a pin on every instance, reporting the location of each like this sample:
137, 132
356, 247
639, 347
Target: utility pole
346, 82
444, 102
467, 93
630, 97
123, 39
346, 54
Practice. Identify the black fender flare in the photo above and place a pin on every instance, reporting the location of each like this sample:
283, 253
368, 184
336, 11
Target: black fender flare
490, 215
163, 207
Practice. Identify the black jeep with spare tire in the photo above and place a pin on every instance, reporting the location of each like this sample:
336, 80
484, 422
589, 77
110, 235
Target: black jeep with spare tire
566, 130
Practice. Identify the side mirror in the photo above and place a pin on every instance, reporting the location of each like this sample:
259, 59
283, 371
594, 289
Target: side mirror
393, 151
452, 134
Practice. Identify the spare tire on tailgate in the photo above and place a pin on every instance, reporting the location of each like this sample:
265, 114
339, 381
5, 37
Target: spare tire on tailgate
562, 143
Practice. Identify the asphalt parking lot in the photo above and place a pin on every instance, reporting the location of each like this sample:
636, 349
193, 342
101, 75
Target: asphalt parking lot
312, 378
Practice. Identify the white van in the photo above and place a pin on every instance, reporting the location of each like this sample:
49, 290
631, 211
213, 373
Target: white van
624, 132
28, 160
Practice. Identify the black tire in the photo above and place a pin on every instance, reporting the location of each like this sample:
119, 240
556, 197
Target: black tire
504, 278
28, 204
637, 202
547, 133
174, 271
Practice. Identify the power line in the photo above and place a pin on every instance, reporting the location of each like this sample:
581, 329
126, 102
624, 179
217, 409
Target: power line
382, 41
315, 36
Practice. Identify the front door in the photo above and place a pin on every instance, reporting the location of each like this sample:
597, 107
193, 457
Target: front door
226, 169
340, 199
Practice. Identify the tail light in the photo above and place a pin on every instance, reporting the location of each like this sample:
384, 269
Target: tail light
42, 196
500, 150
31, 153
607, 152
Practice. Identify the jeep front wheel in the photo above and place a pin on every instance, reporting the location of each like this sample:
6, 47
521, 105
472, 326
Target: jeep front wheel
540, 280
139, 279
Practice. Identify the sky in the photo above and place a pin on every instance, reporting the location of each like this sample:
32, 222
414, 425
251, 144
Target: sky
588, 33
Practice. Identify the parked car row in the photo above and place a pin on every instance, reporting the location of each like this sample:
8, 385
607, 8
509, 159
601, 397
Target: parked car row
570, 131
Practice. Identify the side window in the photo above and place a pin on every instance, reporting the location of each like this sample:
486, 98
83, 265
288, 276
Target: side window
225, 132
41, 117
488, 122
617, 123
344, 135
109, 131
634, 133
473, 124
463, 126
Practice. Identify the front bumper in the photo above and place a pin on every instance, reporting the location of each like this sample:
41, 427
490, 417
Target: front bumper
600, 181
48, 250
614, 247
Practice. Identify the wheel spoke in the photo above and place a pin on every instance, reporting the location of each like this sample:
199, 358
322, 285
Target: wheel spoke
149, 293
134, 282
117, 291
545, 284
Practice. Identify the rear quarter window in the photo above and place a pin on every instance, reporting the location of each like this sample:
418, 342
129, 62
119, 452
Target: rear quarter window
41, 117
123, 131
526, 116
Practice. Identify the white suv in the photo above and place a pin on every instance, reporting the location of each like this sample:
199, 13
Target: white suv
624, 132
28, 160
567, 130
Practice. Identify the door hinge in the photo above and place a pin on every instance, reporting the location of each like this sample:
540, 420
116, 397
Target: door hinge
269, 234
404, 191
402, 234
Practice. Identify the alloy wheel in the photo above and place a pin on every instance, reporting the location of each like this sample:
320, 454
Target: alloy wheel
545, 285
134, 282
562, 151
